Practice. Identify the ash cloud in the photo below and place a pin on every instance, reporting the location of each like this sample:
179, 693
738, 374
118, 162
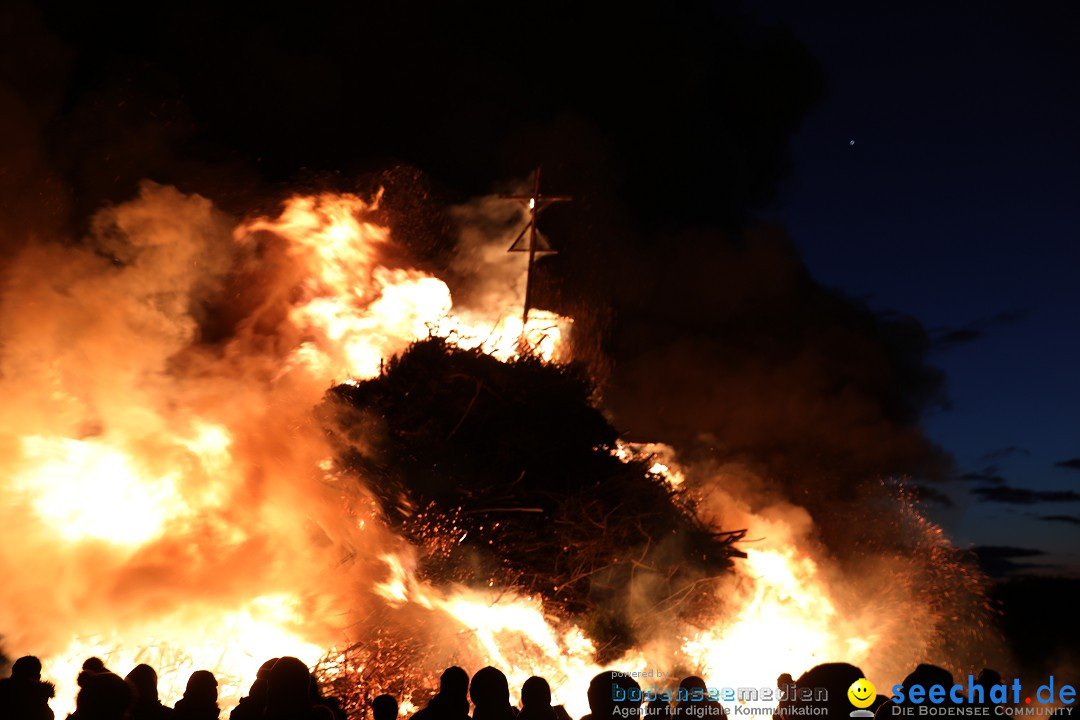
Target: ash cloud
724, 346
709, 330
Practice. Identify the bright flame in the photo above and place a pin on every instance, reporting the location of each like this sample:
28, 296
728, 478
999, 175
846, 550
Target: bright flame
233, 644
510, 632
86, 490
183, 512
786, 620
361, 312
173, 501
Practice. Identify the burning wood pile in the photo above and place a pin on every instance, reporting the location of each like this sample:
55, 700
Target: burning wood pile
506, 474
455, 503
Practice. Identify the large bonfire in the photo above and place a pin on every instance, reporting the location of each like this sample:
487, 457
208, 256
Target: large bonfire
228, 441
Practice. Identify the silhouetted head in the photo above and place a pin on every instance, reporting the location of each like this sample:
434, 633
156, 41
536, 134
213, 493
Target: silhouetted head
90, 666
835, 679
265, 668
454, 681
288, 688
489, 688
104, 696
784, 681
93, 664
143, 679
535, 692
689, 685
384, 707
26, 668
201, 690
604, 689
257, 691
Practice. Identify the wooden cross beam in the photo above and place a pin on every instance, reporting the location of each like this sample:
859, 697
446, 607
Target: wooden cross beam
530, 239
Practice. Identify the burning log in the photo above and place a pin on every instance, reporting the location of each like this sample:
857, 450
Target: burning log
506, 474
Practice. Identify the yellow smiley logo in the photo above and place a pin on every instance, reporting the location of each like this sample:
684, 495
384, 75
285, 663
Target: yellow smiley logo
861, 693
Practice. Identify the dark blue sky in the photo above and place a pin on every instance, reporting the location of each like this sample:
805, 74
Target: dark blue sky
959, 204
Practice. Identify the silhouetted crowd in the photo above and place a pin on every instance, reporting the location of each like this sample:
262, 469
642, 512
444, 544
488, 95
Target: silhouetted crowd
284, 689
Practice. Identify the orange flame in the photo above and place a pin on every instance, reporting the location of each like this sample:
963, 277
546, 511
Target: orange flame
172, 503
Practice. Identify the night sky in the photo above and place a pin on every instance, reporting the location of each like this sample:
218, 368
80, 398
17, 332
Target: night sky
957, 204
836, 242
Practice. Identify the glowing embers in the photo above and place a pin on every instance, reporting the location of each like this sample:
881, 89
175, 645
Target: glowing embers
84, 489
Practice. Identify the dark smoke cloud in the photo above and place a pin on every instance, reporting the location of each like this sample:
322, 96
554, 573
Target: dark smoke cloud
695, 102
726, 344
33, 68
668, 124
1070, 464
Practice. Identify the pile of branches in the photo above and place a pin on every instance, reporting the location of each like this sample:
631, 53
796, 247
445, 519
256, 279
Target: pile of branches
505, 473
384, 662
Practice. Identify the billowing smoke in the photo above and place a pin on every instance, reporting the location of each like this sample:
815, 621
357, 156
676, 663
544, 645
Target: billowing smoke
169, 484
164, 489
791, 412
159, 358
